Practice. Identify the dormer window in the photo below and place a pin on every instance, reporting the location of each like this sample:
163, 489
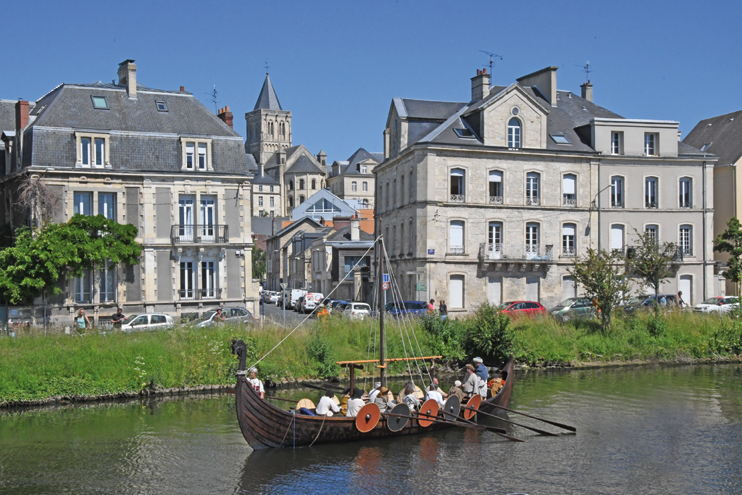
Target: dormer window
560, 139
161, 106
100, 102
464, 133
650, 144
197, 155
616, 143
364, 169
92, 150
514, 132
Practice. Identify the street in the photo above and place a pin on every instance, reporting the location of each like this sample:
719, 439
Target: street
275, 314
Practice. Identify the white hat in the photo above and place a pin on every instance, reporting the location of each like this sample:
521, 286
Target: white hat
457, 383
253, 369
477, 360
377, 385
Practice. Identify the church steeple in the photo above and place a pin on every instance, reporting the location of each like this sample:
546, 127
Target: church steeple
268, 99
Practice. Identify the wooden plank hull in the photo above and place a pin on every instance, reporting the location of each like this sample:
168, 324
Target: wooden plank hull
265, 425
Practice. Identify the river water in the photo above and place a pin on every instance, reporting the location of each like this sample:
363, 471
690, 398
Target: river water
644, 430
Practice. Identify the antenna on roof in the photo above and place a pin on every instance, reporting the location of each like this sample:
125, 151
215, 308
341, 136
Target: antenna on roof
586, 69
213, 99
491, 55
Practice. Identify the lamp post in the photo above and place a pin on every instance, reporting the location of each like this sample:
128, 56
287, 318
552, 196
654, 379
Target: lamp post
592, 204
283, 287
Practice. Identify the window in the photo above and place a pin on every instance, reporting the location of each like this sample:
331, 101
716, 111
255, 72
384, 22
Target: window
107, 205
456, 292
208, 215
686, 188
190, 147
514, 133
569, 239
85, 150
705, 146
495, 184
617, 237
412, 242
100, 102
84, 287
650, 144
100, 150
402, 189
83, 203
364, 186
314, 184
273, 213
532, 293
616, 143
301, 184
569, 190
291, 201
202, 156
301, 199
291, 185
260, 188
353, 186
560, 139
208, 279
395, 192
92, 150
271, 188
653, 231
402, 238
260, 200
388, 194
456, 237
161, 106
569, 288
186, 280
272, 201
494, 241
464, 133
411, 185
458, 193
686, 240
364, 169
650, 192
196, 155
108, 282
617, 192
532, 189
532, 240
186, 219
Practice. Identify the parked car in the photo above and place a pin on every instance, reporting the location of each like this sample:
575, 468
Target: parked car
522, 308
233, 315
720, 305
399, 308
648, 302
147, 322
293, 297
299, 302
336, 306
273, 298
311, 302
357, 310
574, 307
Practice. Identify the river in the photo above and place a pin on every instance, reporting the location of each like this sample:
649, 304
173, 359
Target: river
640, 430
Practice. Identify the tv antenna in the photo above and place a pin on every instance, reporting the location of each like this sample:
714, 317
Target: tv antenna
213, 98
586, 69
492, 56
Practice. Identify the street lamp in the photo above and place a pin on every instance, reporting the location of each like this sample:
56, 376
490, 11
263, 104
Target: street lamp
592, 204
283, 288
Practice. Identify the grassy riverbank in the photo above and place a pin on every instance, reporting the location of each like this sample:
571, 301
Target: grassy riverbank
34, 367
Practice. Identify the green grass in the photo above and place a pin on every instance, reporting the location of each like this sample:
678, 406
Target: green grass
34, 367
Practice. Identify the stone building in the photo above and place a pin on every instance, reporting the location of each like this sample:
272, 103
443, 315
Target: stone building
280, 250
153, 158
353, 179
267, 200
492, 199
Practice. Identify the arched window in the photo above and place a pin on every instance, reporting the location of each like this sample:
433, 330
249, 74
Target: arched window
569, 246
291, 185
411, 234
456, 237
514, 132
402, 189
403, 239
301, 183
532, 240
291, 201
495, 183
354, 186
301, 199
533, 196
314, 183
458, 192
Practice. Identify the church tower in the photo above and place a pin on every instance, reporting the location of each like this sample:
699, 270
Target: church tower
268, 125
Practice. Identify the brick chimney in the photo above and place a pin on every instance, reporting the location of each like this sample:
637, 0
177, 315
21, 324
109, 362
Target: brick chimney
128, 77
341, 222
225, 115
587, 91
480, 85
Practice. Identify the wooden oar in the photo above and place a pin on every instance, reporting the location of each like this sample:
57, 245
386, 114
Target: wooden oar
541, 432
554, 423
285, 400
324, 387
466, 424
491, 429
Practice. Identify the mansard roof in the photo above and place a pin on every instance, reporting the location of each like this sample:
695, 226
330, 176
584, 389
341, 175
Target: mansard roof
267, 99
722, 134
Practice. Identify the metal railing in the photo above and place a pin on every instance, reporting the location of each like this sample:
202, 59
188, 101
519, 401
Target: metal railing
495, 200
515, 252
651, 205
458, 250
199, 294
458, 198
569, 200
187, 234
533, 201
569, 252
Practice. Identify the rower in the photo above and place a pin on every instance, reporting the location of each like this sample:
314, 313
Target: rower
372, 395
471, 382
435, 381
255, 382
409, 397
435, 394
326, 405
355, 403
382, 400
456, 390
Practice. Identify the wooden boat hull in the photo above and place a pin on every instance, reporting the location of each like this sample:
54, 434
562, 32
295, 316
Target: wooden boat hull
265, 425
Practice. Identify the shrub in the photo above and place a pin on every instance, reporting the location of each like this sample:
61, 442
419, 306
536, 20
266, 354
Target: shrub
320, 351
489, 334
656, 326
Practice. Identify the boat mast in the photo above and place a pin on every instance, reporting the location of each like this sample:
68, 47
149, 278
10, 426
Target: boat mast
382, 337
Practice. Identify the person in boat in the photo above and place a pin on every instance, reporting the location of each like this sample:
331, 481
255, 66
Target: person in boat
435, 394
497, 383
382, 400
440, 391
456, 390
326, 405
409, 397
372, 395
481, 371
256, 383
471, 382
355, 403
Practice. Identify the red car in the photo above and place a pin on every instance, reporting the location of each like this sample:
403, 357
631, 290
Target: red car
522, 308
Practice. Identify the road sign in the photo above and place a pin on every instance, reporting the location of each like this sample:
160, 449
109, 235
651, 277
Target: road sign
421, 287
385, 285
283, 286
385, 278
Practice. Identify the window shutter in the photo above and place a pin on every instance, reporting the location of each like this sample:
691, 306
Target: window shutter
457, 233
495, 176
568, 229
616, 236
568, 184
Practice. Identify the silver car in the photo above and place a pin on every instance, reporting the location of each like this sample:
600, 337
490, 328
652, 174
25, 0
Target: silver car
147, 322
232, 315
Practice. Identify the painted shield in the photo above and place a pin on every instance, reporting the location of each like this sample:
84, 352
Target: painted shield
474, 403
395, 423
428, 412
451, 408
368, 418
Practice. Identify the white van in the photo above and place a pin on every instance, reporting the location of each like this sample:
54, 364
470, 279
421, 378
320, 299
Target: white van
311, 301
294, 297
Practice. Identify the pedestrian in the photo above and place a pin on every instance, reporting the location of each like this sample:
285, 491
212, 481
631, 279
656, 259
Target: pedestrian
82, 322
117, 318
443, 309
431, 308
680, 301
219, 317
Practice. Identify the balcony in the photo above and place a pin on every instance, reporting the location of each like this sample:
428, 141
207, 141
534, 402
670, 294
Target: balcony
533, 201
569, 200
495, 200
199, 234
515, 253
679, 254
456, 250
569, 252
458, 198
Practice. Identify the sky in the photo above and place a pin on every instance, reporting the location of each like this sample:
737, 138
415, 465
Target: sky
337, 65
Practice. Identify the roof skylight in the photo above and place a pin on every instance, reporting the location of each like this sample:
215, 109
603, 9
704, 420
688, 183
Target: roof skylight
100, 102
560, 139
705, 146
161, 106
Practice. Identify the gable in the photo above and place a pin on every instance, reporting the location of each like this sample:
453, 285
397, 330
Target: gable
511, 103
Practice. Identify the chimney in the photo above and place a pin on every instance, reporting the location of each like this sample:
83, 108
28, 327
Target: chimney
587, 91
21, 121
128, 77
341, 222
545, 81
182, 89
225, 115
355, 229
480, 85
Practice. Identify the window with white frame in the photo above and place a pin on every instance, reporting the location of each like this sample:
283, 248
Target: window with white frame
107, 205
84, 287
364, 169
617, 237
354, 186
650, 143
532, 188
494, 241
569, 239
187, 280
456, 292
569, 190
495, 187
686, 192
272, 201
83, 203
686, 240
107, 282
260, 200
653, 231
92, 150
514, 133
208, 279
197, 155
364, 186
260, 188
651, 192
208, 218
532, 240
458, 191
617, 192
456, 237
186, 218
616, 143
271, 189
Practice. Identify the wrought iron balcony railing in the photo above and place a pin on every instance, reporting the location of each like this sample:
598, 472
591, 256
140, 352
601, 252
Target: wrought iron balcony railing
199, 294
458, 198
515, 252
495, 200
533, 201
569, 200
196, 234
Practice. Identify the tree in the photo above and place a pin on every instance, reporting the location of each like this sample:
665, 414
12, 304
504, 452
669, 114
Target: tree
730, 241
32, 265
258, 263
603, 278
652, 262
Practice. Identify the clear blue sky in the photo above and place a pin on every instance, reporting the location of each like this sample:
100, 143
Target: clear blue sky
337, 65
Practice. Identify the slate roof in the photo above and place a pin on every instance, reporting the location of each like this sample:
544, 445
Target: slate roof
267, 99
7, 115
264, 179
304, 164
430, 110
359, 156
723, 134
343, 235
252, 165
262, 225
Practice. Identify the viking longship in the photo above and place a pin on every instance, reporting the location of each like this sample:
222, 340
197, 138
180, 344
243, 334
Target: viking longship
265, 425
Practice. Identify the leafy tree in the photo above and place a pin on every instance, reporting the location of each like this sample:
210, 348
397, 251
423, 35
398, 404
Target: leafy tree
603, 278
258, 263
38, 258
730, 241
652, 262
